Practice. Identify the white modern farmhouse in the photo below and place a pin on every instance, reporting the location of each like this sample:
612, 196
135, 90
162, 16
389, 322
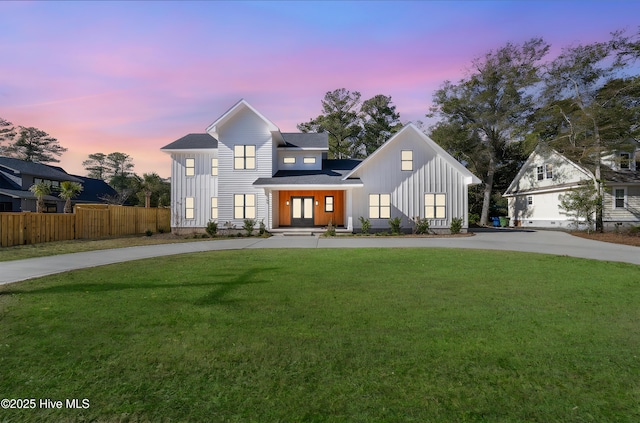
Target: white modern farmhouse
535, 193
245, 168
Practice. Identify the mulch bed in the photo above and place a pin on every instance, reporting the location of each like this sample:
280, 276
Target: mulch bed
616, 238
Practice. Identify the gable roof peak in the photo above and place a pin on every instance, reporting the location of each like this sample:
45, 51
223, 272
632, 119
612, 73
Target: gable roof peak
242, 104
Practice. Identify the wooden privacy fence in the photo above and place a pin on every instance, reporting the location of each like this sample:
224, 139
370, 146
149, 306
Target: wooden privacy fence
88, 221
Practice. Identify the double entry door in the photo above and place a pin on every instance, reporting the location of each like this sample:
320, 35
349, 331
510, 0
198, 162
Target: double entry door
301, 211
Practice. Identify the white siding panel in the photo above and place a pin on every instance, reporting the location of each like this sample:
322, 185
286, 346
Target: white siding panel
246, 128
202, 186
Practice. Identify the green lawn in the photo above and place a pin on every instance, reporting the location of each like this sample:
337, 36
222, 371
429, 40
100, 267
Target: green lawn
328, 335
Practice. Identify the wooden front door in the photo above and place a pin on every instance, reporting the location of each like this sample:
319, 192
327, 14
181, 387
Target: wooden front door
301, 211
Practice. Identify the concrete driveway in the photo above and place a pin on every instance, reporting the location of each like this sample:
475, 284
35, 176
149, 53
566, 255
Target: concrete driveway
547, 242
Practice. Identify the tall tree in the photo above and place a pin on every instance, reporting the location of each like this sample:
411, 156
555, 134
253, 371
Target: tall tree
96, 166
592, 103
34, 145
119, 164
379, 122
492, 106
68, 191
7, 132
339, 119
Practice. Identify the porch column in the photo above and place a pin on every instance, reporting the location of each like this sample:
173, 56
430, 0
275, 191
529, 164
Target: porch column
349, 209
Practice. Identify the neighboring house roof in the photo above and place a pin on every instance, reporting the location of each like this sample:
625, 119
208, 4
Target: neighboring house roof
310, 141
193, 142
6, 183
469, 177
621, 176
14, 193
331, 174
235, 109
93, 190
36, 169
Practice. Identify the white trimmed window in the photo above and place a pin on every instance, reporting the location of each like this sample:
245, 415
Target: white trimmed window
625, 160
540, 170
189, 208
190, 167
244, 157
244, 206
328, 204
214, 167
214, 208
548, 169
435, 206
530, 200
289, 160
309, 160
619, 198
379, 206
406, 160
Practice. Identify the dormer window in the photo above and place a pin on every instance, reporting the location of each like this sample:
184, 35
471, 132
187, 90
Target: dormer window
625, 160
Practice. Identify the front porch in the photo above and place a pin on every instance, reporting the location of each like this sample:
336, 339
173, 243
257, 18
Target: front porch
309, 209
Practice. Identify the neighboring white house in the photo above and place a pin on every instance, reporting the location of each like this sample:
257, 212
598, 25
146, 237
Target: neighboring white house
535, 193
245, 168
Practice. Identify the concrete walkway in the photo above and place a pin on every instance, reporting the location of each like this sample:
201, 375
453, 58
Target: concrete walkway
548, 242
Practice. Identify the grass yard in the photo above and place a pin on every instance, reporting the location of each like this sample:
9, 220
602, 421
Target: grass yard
368, 335
44, 249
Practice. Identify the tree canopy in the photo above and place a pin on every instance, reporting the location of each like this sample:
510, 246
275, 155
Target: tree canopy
484, 113
355, 129
32, 145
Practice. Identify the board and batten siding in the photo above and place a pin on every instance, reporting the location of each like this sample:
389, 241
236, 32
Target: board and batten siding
245, 128
431, 174
201, 187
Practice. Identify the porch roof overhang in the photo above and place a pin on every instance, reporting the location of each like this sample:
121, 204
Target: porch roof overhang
307, 182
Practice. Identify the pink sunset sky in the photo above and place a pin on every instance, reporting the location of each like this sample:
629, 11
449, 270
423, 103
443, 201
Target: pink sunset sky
135, 76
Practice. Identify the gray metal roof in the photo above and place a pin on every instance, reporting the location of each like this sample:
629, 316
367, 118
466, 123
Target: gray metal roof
332, 173
26, 194
306, 140
192, 142
17, 166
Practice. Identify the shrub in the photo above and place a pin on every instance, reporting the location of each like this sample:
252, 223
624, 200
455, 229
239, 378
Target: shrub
148, 232
331, 230
456, 225
395, 226
263, 228
212, 228
474, 218
161, 230
248, 226
366, 225
422, 225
